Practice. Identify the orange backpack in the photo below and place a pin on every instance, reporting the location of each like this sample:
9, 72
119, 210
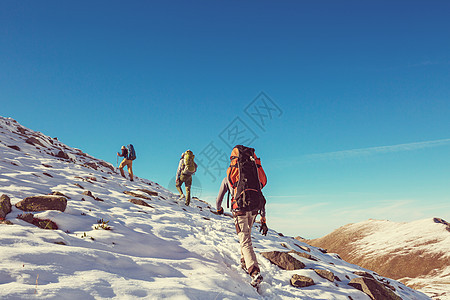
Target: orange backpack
246, 178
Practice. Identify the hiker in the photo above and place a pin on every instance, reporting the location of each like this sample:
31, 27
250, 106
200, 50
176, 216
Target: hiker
186, 168
128, 155
245, 179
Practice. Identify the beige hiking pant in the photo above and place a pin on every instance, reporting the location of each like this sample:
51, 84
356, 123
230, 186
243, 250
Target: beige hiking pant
244, 223
187, 179
129, 164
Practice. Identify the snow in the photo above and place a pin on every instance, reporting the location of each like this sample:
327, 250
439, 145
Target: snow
167, 250
393, 237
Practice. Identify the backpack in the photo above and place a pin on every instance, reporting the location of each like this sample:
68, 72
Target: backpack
131, 153
246, 178
189, 165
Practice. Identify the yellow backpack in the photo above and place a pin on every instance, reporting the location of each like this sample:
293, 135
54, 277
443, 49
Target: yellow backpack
189, 165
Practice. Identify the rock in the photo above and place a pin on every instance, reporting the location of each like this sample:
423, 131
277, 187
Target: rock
79, 185
41, 223
439, 220
47, 166
5, 206
59, 194
47, 174
283, 260
364, 274
140, 202
301, 281
151, 193
89, 193
34, 141
374, 289
106, 165
325, 274
137, 195
26, 217
92, 165
15, 147
41, 203
303, 248
62, 154
303, 254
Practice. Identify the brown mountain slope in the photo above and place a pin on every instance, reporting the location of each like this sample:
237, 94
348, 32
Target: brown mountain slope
417, 253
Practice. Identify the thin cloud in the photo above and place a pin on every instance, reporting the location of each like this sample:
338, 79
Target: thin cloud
376, 150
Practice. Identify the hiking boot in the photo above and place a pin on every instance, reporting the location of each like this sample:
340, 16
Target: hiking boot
187, 202
256, 279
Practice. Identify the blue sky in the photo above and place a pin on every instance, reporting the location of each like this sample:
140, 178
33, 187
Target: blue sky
360, 92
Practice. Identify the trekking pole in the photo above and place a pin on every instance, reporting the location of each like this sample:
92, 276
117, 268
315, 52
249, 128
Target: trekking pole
117, 163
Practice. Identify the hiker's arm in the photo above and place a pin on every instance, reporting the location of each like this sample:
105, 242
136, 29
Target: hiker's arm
222, 191
180, 167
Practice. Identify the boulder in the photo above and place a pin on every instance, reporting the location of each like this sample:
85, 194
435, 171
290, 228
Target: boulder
140, 202
59, 194
89, 193
34, 141
5, 206
284, 260
41, 203
301, 281
151, 193
364, 274
374, 289
325, 274
130, 193
303, 254
15, 147
107, 165
62, 154
41, 223
92, 165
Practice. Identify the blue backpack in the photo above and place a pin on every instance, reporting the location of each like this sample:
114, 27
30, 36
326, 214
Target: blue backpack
131, 153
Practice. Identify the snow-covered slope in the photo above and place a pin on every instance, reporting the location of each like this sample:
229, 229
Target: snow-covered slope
416, 253
165, 250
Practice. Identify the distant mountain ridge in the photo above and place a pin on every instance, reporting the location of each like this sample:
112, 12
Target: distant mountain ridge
415, 253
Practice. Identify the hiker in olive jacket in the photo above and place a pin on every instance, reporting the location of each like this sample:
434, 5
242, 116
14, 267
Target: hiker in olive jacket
125, 162
186, 168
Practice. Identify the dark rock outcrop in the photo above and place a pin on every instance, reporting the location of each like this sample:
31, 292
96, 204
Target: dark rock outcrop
106, 165
140, 202
41, 223
62, 154
89, 193
137, 195
303, 254
41, 203
151, 193
34, 141
5, 206
301, 281
284, 260
325, 274
364, 274
92, 165
15, 147
374, 289
59, 194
